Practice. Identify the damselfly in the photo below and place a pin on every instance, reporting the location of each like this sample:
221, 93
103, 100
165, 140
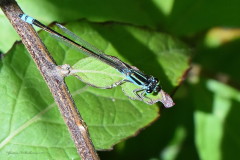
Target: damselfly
148, 83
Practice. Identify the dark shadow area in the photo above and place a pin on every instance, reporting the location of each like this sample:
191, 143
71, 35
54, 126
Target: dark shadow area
1, 55
230, 142
144, 12
202, 97
190, 17
224, 59
185, 112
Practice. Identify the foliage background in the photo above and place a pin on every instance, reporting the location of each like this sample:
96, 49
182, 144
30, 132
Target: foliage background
204, 122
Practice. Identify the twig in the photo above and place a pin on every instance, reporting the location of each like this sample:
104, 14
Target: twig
54, 80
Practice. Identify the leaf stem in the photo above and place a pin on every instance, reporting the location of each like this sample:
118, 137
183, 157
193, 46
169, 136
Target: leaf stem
54, 80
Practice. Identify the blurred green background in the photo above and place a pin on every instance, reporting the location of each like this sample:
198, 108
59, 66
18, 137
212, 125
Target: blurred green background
204, 122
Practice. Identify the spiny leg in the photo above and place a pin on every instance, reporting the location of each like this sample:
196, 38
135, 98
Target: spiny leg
148, 102
142, 95
106, 87
116, 84
135, 91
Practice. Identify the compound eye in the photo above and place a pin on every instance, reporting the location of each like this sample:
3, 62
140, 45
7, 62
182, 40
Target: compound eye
148, 91
155, 80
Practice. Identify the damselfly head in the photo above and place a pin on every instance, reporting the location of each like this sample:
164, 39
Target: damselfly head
153, 85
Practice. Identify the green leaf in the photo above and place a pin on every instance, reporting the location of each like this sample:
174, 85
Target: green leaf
162, 45
30, 120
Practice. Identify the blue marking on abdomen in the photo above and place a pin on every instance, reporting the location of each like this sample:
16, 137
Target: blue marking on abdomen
27, 19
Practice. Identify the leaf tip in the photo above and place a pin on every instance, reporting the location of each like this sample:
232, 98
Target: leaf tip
166, 100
